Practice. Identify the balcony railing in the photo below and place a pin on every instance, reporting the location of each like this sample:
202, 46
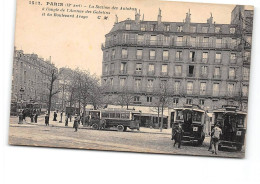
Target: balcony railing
151, 72
123, 71
138, 72
190, 75
232, 77
169, 44
164, 73
216, 76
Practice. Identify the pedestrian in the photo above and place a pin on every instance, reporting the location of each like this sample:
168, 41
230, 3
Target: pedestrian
24, 115
177, 133
36, 117
31, 116
66, 120
76, 123
55, 116
216, 132
47, 119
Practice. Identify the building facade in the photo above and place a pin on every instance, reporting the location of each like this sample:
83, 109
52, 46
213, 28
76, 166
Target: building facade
200, 63
30, 78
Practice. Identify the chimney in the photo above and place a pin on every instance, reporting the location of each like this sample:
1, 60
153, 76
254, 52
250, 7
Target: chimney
210, 20
116, 19
137, 16
159, 19
188, 15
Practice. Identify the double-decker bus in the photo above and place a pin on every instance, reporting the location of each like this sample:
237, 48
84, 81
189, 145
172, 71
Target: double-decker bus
120, 119
192, 120
233, 125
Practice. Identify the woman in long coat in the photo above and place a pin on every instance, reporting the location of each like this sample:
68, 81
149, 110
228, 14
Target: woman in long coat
76, 123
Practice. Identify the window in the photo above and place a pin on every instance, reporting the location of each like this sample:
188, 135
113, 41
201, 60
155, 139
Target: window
178, 55
179, 29
153, 39
165, 55
192, 56
150, 84
137, 84
246, 73
192, 29
205, 29
189, 88
232, 58
205, 56
178, 70
122, 82
215, 89
203, 88
205, 42
218, 42
125, 37
231, 88
149, 99
166, 40
112, 68
179, 41
167, 28
153, 27
217, 29
216, 73
163, 84
113, 54
177, 86
202, 102
151, 68
204, 71
138, 68
124, 53
233, 42
245, 90
189, 101
191, 71
232, 30
128, 26
143, 27
193, 41
218, 57
106, 69
139, 54
106, 54
140, 39
123, 68
175, 101
164, 69
152, 54
232, 73
111, 82
136, 98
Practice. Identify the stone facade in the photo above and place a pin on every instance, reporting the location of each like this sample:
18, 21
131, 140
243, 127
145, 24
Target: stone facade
201, 63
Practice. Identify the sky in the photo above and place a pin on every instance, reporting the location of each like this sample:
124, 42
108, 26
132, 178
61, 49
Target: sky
76, 42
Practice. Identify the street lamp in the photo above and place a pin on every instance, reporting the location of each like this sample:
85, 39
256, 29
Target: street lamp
20, 114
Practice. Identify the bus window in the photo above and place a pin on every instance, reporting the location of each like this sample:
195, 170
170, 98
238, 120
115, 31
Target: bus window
125, 115
179, 115
112, 115
117, 115
196, 116
105, 115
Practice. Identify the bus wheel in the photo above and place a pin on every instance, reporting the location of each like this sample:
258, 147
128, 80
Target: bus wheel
120, 128
125, 128
95, 126
238, 147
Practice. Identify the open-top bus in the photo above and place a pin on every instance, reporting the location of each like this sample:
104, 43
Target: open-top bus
233, 125
192, 120
117, 118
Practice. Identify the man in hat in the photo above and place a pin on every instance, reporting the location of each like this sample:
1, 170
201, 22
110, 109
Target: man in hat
76, 123
47, 119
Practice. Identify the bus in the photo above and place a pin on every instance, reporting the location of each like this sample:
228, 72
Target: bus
233, 124
192, 120
120, 119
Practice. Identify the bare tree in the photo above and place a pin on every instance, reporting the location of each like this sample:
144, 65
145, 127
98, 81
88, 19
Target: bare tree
125, 98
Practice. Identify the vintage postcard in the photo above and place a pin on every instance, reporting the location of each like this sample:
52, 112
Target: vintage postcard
143, 76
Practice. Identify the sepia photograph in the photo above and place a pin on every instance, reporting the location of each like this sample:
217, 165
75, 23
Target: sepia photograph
132, 76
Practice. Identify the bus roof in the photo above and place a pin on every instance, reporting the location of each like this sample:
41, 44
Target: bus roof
191, 109
226, 111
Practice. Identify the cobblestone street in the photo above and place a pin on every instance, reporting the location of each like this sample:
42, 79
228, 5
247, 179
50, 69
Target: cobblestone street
146, 140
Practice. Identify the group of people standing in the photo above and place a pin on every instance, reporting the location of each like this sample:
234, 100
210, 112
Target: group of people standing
33, 114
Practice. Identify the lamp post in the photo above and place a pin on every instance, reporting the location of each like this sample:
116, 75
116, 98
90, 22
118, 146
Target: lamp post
20, 113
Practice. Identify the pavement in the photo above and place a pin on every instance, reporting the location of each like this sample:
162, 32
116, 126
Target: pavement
146, 140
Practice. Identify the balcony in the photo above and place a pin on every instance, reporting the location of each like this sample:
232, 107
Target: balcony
111, 72
136, 42
178, 74
138, 72
164, 73
231, 77
165, 58
151, 73
123, 72
217, 60
204, 60
190, 75
216, 77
